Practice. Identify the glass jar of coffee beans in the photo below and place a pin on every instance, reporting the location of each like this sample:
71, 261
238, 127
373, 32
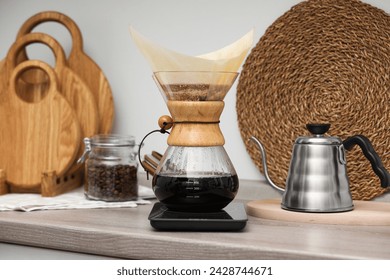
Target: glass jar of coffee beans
111, 168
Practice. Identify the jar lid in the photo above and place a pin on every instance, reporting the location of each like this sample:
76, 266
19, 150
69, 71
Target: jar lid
112, 140
106, 141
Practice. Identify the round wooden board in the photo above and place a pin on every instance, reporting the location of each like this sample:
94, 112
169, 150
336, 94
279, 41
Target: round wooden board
71, 86
39, 136
365, 213
80, 63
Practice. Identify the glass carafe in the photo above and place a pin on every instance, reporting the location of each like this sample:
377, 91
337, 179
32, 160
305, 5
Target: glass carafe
195, 173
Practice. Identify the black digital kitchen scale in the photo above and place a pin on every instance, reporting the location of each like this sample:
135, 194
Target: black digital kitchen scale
231, 218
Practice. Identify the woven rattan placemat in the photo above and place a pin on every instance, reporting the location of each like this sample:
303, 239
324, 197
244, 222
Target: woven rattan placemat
322, 61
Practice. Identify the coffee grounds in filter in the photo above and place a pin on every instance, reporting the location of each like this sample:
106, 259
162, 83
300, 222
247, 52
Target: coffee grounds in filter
194, 92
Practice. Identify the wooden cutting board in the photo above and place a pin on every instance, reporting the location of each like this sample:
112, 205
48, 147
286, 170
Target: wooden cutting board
71, 86
365, 213
81, 64
36, 136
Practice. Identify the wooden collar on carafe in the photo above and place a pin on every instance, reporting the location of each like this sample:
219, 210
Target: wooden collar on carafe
195, 123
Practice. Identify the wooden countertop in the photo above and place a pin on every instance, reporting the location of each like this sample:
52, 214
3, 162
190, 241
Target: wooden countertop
126, 233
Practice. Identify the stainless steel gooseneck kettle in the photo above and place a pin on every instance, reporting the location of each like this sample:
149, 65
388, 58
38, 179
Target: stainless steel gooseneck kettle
317, 180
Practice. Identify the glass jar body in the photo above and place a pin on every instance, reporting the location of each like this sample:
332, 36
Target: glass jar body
111, 169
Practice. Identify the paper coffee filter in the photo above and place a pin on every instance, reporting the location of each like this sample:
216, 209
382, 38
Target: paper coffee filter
226, 59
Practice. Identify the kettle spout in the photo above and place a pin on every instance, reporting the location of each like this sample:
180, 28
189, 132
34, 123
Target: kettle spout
264, 161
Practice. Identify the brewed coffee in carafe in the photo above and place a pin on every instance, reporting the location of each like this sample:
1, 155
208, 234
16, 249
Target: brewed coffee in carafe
195, 173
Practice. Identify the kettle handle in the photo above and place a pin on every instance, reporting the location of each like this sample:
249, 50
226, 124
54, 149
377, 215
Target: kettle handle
371, 155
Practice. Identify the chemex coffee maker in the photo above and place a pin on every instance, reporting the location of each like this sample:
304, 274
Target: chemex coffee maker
195, 175
195, 181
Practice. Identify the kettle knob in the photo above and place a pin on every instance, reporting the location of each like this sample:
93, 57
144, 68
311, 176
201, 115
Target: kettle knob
318, 128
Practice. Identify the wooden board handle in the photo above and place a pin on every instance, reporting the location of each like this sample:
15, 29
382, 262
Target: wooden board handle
31, 64
21, 43
48, 16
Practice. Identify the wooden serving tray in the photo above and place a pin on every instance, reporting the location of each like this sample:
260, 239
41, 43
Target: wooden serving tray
365, 213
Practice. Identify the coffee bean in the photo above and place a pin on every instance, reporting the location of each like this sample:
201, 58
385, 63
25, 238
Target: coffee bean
111, 183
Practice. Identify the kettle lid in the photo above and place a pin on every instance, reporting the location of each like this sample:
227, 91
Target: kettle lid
318, 136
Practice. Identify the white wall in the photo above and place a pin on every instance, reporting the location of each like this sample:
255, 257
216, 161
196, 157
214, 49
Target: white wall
191, 27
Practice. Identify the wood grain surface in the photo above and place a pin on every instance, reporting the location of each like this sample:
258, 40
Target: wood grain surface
365, 213
36, 136
81, 64
126, 233
196, 123
3, 185
70, 85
